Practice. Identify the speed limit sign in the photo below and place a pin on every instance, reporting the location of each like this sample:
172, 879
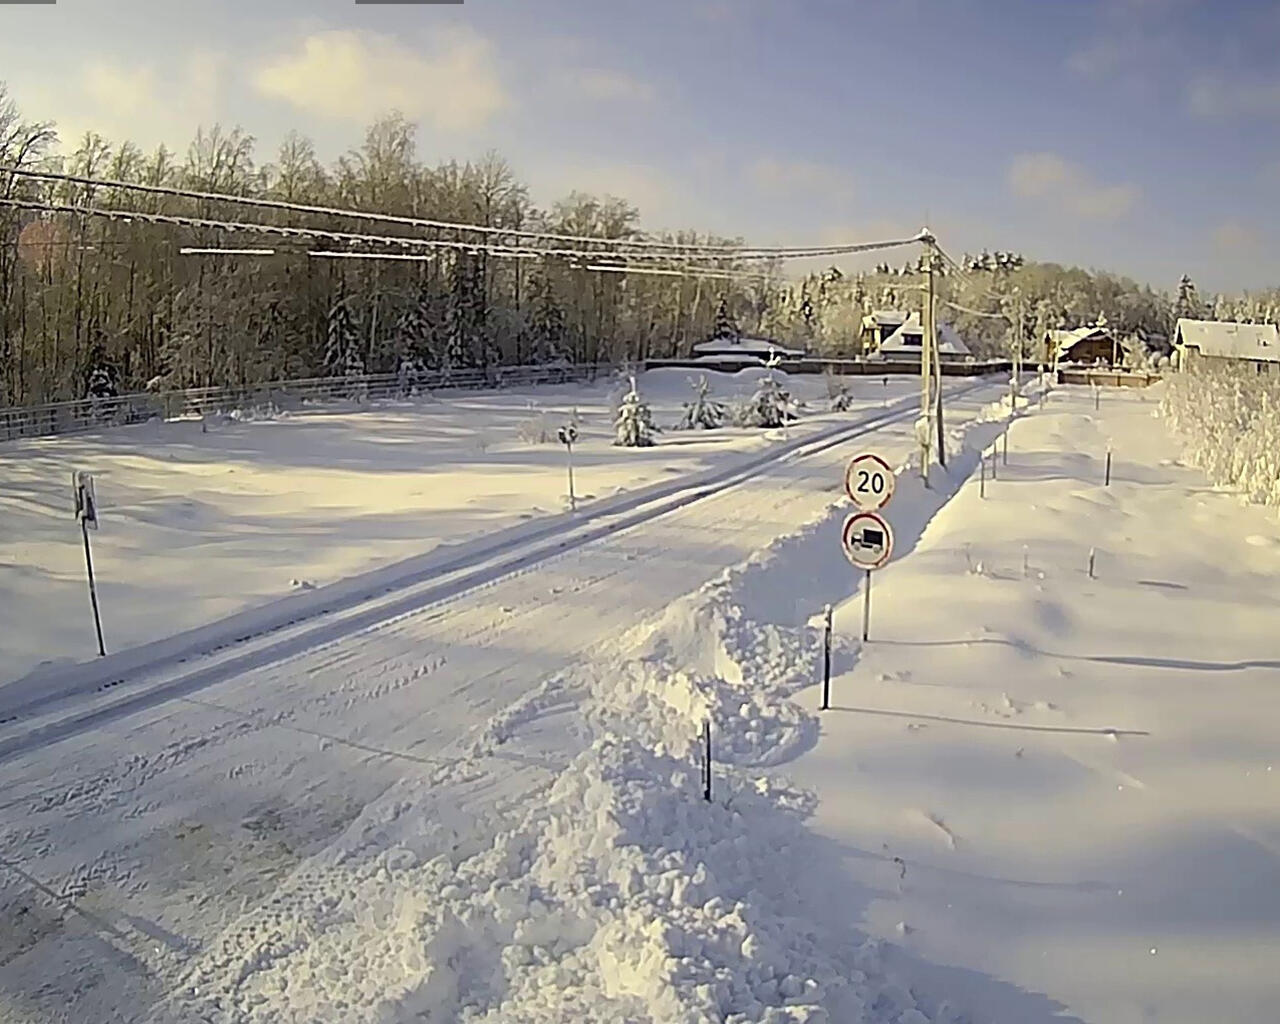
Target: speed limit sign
869, 482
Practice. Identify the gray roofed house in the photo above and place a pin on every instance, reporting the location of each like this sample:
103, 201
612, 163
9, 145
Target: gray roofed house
1203, 344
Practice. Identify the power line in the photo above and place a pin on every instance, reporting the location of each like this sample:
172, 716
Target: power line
128, 216
669, 248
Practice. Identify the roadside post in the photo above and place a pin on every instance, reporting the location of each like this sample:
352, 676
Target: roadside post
568, 434
86, 505
867, 537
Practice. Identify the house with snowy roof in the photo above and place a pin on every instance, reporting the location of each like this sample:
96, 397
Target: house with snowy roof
1207, 344
1090, 345
907, 340
739, 350
878, 326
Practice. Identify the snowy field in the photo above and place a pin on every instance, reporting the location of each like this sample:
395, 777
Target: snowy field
1040, 797
197, 526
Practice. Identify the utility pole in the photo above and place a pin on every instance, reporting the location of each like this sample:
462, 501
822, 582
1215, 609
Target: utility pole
926, 404
932, 255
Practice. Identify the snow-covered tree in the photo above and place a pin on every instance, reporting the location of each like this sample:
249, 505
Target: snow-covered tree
635, 428
839, 394
341, 340
725, 327
411, 375
704, 412
770, 406
101, 389
1187, 304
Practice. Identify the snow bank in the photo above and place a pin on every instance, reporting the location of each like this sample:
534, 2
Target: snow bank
595, 881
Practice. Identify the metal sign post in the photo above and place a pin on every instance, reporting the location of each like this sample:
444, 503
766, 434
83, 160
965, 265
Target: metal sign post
86, 505
568, 434
867, 539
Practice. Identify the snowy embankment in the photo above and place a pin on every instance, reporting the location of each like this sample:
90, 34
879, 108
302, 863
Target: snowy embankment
197, 527
1069, 782
565, 865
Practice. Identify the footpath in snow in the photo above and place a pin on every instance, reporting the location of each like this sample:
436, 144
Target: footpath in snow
198, 526
1071, 784
484, 809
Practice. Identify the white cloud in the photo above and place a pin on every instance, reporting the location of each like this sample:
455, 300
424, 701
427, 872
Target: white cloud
359, 76
1234, 237
599, 84
141, 102
644, 186
800, 176
1050, 177
1209, 96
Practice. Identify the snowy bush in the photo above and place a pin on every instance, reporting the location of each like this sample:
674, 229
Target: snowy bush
770, 406
838, 394
704, 412
1229, 423
634, 422
535, 428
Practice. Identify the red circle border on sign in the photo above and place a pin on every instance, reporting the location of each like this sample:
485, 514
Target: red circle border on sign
888, 533
848, 489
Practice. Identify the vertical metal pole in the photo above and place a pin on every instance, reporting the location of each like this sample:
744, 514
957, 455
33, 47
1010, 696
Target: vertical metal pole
1092, 555
926, 380
1006, 446
1097, 396
866, 608
706, 737
994, 474
982, 480
1108, 481
93, 590
573, 504
826, 661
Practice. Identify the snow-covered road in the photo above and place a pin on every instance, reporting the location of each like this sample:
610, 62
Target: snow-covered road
133, 841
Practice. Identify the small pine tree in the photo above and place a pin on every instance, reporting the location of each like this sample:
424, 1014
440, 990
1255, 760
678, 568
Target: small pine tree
770, 406
704, 412
725, 328
101, 388
634, 424
841, 396
340, 339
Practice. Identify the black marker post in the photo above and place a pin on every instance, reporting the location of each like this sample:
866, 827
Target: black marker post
87, 513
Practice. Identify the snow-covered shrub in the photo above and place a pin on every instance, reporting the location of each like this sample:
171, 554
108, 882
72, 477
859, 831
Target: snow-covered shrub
1229, 423
634, 422
704, 412
838, 394
535, 428
770, 406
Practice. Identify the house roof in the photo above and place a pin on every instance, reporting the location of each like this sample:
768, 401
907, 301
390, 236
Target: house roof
949, 342
884, 318
1064, 341
1230, 340
744, 347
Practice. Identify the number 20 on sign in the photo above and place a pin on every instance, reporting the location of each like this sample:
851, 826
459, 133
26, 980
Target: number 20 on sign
869, 482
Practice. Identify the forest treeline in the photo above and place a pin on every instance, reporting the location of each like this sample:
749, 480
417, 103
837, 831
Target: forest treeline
87, 299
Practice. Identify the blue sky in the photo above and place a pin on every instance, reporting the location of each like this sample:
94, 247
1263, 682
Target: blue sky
1135, 135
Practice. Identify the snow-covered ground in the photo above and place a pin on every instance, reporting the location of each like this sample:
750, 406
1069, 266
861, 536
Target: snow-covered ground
197, 526
251, 826
1067, 783
1039, 797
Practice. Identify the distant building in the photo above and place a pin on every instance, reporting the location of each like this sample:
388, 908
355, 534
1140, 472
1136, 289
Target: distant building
1091, 345
907, 339
743, 350
1204, 344
878, 326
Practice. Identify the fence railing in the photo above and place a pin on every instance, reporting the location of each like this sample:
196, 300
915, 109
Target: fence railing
141, 407
1107, 378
